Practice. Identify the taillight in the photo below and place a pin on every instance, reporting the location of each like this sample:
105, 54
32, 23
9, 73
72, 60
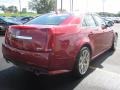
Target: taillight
6, 37
51, 43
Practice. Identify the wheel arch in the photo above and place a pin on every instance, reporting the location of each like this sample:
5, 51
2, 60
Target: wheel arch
115, 34
74, 70
86, 45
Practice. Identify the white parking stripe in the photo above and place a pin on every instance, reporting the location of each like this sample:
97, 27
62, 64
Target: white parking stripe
98, 69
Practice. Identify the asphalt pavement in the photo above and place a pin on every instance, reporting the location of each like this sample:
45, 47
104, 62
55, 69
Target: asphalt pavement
103, 74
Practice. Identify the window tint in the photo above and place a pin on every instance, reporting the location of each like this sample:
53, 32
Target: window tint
49, 19
99, 20
84, 23
1, 20
89, 21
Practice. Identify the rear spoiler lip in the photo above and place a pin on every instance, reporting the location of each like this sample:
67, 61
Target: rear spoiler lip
32, 26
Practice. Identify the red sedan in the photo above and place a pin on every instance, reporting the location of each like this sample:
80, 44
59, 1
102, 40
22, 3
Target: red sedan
58, 43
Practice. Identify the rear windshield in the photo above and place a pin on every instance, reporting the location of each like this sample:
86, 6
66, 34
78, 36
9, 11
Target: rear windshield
49, 19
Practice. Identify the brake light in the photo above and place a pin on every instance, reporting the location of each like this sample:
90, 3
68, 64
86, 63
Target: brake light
51, 43
6, 37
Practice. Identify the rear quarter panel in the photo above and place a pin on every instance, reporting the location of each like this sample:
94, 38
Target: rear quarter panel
68, 40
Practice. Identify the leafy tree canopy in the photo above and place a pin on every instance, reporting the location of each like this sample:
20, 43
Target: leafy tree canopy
42, 6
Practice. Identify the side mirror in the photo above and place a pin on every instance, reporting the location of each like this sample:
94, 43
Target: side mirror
103, 26
109, 23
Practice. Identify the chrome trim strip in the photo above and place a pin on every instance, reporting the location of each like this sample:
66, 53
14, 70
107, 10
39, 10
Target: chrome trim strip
23, 37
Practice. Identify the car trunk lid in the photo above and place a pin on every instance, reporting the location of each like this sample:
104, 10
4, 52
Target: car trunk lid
31, 38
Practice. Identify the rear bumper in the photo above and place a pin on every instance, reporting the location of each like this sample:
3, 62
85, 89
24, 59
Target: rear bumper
39, 63
35, 69
26, 57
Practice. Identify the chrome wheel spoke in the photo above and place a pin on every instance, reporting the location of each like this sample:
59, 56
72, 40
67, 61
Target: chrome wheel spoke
84, 61
115, 42
82, 67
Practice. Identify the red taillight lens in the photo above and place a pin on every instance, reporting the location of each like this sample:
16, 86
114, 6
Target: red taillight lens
6, 39
51, 44
7, 36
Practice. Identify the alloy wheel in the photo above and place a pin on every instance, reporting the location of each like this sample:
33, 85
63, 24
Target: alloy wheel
84, 60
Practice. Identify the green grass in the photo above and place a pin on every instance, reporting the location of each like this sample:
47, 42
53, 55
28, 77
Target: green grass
19, 14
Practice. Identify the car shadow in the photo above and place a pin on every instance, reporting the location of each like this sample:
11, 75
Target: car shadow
97, 62
16, 79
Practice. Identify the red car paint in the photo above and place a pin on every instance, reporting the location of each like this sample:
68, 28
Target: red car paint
53, 48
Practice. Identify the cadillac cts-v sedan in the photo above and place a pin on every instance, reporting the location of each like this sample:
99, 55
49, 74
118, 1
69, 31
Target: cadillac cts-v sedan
58, 43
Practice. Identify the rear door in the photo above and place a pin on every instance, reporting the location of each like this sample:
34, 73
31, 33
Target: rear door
107, 32
94, 33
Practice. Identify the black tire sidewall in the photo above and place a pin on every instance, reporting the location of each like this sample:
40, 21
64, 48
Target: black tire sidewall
113, 46
76, 66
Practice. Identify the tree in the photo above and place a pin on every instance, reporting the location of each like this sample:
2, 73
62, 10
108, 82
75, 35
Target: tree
106, 14
24, 10
12, 9
42, 6
3, 8
118, 14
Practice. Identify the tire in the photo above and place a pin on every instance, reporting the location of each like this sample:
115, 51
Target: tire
114, 44
82, 62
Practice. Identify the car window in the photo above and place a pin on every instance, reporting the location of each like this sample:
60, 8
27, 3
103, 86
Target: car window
49, 19
84, 23
99, 20
89, 21
1, 20
27, 18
